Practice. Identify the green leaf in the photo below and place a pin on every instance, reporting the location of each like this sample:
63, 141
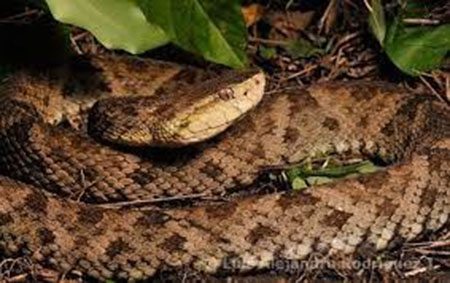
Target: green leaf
377, 20
367, 167
301, 48
316, 181
300, 176
415, 50
214, 29
298, 184
333, 172
117, 24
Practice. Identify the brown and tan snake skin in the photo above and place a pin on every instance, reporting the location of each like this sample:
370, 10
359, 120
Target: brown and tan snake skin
356, 217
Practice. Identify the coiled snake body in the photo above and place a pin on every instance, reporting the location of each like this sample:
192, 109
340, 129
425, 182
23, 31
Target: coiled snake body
353, 217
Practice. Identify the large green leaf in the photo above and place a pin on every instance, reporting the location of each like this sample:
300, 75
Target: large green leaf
213, 28
117, 24
415, 50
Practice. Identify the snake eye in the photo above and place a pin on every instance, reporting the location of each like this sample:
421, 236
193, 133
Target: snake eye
184, 124
226, 94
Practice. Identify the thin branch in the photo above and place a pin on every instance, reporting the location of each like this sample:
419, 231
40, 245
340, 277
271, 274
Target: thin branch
143, 202
268, 41
368, 6
430, 87
16, 17
300, 73
414, 21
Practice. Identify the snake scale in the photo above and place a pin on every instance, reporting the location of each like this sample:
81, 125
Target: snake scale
54, 179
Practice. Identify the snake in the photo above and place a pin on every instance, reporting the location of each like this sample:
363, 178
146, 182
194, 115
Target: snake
79, 138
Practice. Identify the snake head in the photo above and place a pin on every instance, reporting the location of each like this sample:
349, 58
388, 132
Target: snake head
183, 116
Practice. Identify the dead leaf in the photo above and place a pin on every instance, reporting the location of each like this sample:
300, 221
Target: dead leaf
300, 20
294, 21
252, 14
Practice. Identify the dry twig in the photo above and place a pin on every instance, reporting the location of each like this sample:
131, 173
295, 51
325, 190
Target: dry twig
144, 202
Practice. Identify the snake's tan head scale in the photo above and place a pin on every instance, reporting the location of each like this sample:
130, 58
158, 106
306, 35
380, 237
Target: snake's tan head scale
194, 114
